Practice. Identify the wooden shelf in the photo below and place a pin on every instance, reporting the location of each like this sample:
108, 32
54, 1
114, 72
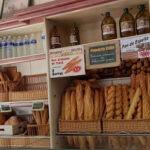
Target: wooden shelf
22, 59
23, 103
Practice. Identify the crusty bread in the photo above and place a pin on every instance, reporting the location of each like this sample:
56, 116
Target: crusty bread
96, 104
68, 105
63, 107
14, 120
73, 106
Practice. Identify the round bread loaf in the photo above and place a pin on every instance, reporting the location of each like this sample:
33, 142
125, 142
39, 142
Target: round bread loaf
12, 121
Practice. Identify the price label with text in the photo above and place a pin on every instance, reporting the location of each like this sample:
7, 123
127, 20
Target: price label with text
38, 106
6, 108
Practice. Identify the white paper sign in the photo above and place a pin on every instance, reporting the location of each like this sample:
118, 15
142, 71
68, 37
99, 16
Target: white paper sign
133, 47
68, 61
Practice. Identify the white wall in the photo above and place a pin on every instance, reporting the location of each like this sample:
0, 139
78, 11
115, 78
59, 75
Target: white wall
36, 2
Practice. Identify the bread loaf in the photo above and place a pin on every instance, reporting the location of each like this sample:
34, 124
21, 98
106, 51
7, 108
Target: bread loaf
146, 102
97, 104
134, 104
118, 106
45, 115
73, 106
13, 121
17, 76
110, 103
125, 99
102, 103
68, 105
80, 101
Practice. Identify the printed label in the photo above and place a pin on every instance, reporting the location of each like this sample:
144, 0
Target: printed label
108, 29
73, 39
26, 42
55, 40
33, 41
142, 23
19, 43
126, 26
43, 37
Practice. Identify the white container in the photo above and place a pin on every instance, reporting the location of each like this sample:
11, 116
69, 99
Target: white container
4, 48
19, 46
14, 54
9, 47
26, 46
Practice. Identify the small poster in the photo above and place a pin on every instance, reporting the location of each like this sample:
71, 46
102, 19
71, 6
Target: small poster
102, 54
68, 61
135, 47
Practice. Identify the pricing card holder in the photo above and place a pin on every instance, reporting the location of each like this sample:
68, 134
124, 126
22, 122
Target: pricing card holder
6, 108
38, 106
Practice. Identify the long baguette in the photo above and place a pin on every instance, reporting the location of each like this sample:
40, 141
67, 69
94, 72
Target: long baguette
45, 115
63, 107
67, 105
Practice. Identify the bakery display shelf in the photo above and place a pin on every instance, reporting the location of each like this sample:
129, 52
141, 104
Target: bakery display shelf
22, 59
25, 137
101, 134
23, 103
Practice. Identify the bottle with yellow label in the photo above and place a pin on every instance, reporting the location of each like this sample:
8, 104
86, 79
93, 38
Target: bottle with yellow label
143, 20
74, 35
55, 38
127, 24
108, 27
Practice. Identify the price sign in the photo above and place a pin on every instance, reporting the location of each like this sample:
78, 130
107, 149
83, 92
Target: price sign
38, 106
102, 54
135, 47
6, 108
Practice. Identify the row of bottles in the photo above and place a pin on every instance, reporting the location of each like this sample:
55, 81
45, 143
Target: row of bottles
128, 25
73, 39
17, 46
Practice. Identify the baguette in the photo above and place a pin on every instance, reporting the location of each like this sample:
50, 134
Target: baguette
63, 107
80, 101
6, 78
134, 104
73, 106
45, 115
133, 81
1, 77
97, 105
102, 103
68, 105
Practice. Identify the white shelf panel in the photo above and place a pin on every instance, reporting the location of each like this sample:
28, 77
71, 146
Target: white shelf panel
22, 59
23, 103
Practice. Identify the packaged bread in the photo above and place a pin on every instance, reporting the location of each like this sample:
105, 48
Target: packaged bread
14, 120
80, 101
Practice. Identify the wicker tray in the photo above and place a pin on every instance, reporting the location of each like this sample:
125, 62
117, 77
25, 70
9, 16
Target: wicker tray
40, 130
32, 87
90, 126
126, 126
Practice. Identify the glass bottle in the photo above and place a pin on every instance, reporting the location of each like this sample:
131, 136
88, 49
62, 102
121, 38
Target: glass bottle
74, 36
127, 24
33, 45
108, 27
55, 38
143, 20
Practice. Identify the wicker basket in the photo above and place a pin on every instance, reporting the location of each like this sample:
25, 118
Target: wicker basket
86, 126
40, 130
31, 87
126, 126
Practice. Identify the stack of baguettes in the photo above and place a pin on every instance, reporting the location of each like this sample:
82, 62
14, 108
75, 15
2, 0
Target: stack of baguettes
83, 101
42, 118
129, 101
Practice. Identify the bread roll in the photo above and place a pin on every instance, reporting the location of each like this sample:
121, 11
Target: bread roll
13, 121
146, 102
45, 115
68, 105
134, 104
63, 107
118, 106
125, 99
80, 101
110, 104
97, 104
88, 103
73, 106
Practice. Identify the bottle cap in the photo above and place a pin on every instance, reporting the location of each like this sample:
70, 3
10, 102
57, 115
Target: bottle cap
107, 14
126, 10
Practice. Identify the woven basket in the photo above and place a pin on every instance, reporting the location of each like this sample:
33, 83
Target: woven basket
32, 87
126, 126
77, 126
40, 130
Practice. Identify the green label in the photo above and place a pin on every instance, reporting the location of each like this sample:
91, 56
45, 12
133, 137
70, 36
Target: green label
102, 54
38, 106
